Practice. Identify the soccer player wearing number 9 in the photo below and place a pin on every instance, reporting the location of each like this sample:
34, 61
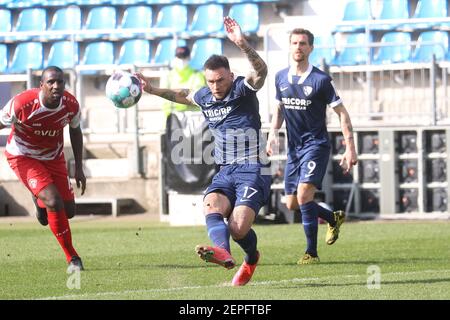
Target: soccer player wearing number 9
303, 92
241, 187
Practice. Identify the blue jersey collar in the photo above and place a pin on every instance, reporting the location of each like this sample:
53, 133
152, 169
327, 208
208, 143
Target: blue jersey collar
302, 79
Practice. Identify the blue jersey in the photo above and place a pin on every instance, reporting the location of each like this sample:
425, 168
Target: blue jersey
305, 99
234, 122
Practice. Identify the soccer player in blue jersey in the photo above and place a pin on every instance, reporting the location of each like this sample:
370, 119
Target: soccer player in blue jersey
240, 188
303, 92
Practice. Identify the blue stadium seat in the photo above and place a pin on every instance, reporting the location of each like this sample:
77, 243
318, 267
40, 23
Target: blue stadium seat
99, 18
355, 53
3, 57
355, 10
165, 51
135, 51
392, 9
5, 22
136, 17
174, 17
208, 20
4, 3
399, 51
19, 4
197, 2
247, 15
101, 52
58, 3
91, 2
63, 54
427, 9
65, 19
324, 49
28, 55
202, 49
429, 43
29, 20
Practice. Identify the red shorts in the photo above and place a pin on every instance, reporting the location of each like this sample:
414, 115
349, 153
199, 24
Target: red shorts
37, 174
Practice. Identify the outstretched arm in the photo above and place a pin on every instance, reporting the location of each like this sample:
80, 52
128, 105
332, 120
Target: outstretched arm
175, 95
258, 73
349, 158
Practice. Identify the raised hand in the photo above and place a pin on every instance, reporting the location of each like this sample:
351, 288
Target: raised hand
234, 32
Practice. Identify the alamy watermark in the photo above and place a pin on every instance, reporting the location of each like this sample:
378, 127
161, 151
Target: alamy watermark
74, 279
374, 277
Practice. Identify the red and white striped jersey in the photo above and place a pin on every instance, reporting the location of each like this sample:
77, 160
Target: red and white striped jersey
37, 131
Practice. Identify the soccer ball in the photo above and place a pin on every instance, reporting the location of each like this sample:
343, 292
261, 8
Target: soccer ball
123, 89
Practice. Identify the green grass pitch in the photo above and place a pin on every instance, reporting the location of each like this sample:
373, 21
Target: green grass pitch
127, 259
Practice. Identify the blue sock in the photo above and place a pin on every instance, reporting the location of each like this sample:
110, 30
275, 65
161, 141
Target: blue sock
218, 231
248, 244
325, 214
310, 225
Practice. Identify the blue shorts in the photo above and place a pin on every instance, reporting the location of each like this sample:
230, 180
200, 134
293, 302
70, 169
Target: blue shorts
306, 165
243, 184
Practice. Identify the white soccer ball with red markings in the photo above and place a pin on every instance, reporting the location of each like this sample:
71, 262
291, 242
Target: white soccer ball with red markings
123, 89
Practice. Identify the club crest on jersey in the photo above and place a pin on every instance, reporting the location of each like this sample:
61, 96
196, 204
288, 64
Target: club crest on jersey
64, 122
32, 183
307, 90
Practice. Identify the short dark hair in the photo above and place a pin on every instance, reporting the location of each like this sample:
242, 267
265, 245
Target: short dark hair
182, 52
303, 31
51, 68
215, 62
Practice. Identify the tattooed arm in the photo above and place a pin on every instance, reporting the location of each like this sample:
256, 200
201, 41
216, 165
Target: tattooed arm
258, 74
349, 158
182, 96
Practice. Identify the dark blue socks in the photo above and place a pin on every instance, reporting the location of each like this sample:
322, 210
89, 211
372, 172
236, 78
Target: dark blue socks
218, 231
325, 214
310, 225
248, 244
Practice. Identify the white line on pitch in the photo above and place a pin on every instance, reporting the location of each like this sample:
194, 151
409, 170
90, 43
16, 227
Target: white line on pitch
255, 283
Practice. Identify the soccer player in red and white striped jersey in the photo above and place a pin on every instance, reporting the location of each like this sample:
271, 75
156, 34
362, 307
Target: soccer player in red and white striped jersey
35, 152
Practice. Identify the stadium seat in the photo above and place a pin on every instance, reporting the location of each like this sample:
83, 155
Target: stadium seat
247, 15
3, 57
427, 9
202, 49
355, 10
173, 17
354, 53
165, 51
4, 3
324, 49
101, 52
136, 17
91, 2
19, 4
65, 19
99, 18
29, 20
63, 54
135, 51
399, 51
28, 55
429, 43
197, 2
57, 3
392, 9
207, 20
5, 22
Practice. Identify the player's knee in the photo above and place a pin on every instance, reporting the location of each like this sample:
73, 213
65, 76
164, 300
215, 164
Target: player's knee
292, 205
238, 233
53, 203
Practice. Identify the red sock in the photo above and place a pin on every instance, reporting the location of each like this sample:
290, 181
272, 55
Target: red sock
58, 223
